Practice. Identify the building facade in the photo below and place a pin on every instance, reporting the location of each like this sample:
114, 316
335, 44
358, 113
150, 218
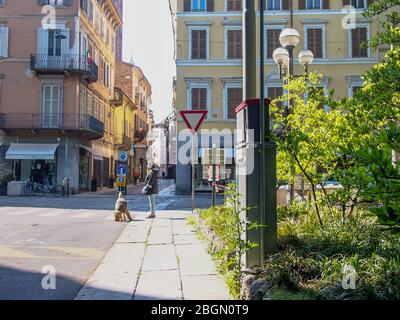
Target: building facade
119, 5
209, 60
57, 80
133, 82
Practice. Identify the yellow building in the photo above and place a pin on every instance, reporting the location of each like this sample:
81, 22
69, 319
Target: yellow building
124, 117
209, 56
132, 81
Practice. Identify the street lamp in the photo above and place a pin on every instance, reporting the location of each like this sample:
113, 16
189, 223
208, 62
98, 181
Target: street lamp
283, 57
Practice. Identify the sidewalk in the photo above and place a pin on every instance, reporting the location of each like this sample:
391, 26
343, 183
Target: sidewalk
159, 259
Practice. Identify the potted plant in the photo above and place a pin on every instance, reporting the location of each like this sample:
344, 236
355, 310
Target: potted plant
6, 176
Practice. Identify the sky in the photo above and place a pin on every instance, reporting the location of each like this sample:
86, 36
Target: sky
148, 38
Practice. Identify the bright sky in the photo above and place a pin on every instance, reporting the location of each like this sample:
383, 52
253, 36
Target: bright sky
148, 38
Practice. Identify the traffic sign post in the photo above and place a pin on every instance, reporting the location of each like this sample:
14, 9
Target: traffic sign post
122, 181
193, 120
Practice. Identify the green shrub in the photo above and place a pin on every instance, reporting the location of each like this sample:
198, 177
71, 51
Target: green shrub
312, 258
228, 247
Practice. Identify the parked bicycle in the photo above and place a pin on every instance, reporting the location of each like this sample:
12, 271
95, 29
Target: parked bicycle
55, 190
32, 189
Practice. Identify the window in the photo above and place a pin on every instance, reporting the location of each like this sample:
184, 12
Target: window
234, 44
199, 44
55, 2
234, 5
274, 93
272, 41
199, 98
234, 99
358, 4
314, 4
274, 5
4, 35
54, 43
358, 37
90, 104
51, 105
315, 41
198, 5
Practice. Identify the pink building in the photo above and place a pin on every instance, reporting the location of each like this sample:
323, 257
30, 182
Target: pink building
56, 83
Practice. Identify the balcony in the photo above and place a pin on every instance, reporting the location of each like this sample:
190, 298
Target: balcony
123, 140
74, 63
83, 125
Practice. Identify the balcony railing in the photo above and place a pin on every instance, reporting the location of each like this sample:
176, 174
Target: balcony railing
123, 140
53, 121
74, 63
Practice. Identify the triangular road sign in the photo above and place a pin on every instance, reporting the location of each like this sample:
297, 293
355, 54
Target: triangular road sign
194, 119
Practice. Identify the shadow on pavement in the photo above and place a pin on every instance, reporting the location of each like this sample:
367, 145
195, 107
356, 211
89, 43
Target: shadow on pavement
16, 284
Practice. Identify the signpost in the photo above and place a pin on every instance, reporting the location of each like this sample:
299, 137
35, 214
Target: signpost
122, 181
193, 120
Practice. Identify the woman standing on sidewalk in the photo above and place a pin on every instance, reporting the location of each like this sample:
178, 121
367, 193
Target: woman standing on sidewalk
151, 185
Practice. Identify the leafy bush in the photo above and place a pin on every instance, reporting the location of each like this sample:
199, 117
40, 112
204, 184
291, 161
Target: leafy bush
312, 258
227, 224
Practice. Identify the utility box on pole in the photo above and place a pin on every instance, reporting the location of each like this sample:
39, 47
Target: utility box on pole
248, 157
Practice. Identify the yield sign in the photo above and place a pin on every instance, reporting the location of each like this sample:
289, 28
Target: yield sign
194, 119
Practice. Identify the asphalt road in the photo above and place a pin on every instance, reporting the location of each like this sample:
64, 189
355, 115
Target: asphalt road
69, 236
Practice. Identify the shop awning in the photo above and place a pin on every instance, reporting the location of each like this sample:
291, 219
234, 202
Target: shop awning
31, 151
96, 156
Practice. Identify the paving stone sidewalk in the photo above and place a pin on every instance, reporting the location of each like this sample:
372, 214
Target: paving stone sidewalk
159, 259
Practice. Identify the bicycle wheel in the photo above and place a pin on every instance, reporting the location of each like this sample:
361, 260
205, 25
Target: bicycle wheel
27, 191
57, 191
39, 190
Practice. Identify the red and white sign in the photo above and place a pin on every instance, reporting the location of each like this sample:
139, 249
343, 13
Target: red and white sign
194, 119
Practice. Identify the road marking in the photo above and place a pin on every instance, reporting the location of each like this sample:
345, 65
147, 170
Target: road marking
6, 252
72, 253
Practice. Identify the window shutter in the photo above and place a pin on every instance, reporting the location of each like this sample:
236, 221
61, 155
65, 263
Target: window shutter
235, 97
318, 43
203, 99
234, 5
285, 5
4, 35
363, 38
187, 6
302, 4
203, 44
195, 42
210, 5
325, 5
272, 41
354, 42
314, 42
65, 42
42, 41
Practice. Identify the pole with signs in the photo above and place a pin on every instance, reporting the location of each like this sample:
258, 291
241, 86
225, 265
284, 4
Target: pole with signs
193, 120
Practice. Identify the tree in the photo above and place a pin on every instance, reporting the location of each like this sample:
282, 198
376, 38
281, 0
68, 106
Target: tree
307, 135
374, 112
391, 26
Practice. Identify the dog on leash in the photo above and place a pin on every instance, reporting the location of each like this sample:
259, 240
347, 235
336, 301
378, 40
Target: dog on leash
121, 209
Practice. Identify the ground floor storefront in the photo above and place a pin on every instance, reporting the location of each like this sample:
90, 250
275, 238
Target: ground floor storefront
206, 172
52, 161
